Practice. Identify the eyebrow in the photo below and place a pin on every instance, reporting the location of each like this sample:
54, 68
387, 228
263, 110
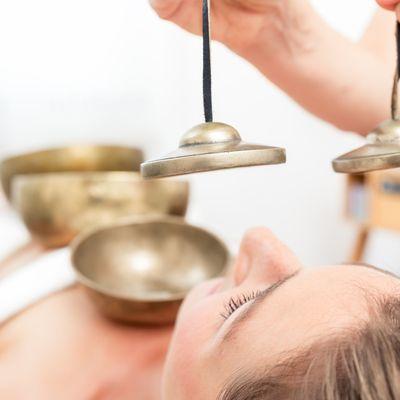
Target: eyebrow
249, 311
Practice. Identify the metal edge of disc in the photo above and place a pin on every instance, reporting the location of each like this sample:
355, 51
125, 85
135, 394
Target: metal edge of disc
366, 164
211, 162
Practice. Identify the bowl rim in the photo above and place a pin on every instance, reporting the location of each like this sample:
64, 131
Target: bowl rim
48, 150
132, 221
9, 162
94, 176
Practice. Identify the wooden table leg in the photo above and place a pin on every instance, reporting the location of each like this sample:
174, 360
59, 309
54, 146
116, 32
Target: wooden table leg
360, 244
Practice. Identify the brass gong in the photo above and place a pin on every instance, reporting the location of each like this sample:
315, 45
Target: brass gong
212, 145
383, 148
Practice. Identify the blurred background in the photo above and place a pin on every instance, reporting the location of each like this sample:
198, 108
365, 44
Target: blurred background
111, 72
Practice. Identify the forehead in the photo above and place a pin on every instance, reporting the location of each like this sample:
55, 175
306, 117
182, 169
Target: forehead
311, 305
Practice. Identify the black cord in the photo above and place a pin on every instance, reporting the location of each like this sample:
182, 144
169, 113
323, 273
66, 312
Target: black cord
207, 95
395, 101
398, 47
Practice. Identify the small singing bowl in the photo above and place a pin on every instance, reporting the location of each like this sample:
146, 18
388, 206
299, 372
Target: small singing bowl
73, 158
139, 272
55, 207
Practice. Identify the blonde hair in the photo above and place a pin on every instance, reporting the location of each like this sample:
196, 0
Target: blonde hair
360, 364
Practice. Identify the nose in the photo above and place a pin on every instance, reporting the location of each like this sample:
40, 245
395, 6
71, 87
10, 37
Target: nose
263, 258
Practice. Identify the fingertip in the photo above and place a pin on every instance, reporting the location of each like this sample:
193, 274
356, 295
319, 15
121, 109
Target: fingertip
388, 4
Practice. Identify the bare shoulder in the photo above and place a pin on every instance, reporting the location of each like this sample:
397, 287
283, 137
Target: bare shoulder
64, 337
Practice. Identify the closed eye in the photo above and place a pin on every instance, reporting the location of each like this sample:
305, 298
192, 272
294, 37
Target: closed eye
236, 302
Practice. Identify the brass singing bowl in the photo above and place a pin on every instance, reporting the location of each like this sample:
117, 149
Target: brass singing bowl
139, 272
73, 158
55, 207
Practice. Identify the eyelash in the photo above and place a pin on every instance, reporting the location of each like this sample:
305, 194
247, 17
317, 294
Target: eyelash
236, 302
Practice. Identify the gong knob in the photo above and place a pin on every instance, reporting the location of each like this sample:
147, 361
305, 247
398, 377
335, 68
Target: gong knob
210, 133
208, 147
381, 152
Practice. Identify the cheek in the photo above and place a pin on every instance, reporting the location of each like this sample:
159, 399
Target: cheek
187, 361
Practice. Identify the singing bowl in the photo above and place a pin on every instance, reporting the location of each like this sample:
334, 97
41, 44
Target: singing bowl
55, 207
139, 272
74, 158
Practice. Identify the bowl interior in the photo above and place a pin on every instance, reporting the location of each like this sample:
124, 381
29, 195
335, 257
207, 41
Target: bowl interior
156, 260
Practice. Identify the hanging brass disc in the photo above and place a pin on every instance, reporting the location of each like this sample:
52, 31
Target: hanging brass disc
382, 151
212, 146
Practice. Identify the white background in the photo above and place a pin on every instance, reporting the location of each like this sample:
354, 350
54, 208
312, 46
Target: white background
112, 72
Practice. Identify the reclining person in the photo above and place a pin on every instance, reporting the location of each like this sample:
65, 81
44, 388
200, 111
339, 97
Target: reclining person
273, 329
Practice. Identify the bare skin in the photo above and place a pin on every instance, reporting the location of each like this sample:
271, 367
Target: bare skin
388, 4
392, 5
296, 49
63, 349
303, 305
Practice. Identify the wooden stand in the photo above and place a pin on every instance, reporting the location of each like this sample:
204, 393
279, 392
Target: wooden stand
372, 201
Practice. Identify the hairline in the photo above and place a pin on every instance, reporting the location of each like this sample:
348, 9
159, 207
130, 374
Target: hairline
242, 379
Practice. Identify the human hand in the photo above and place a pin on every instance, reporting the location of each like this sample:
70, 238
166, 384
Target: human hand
236, 23
63, 349
292, 46
388, 4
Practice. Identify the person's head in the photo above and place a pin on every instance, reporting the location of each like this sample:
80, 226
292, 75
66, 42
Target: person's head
276, 331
